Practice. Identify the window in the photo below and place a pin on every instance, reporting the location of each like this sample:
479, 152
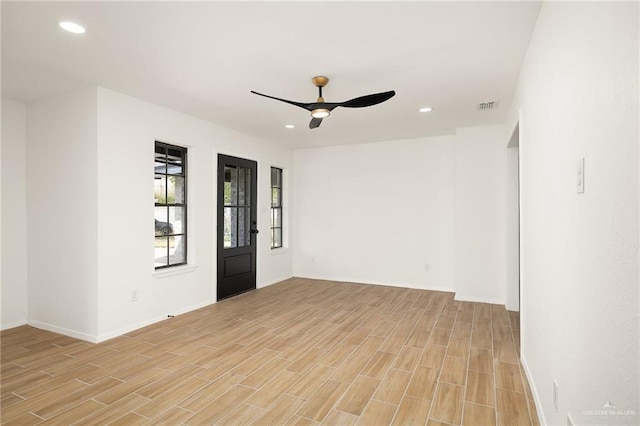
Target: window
170, 188
237, 206
276, 207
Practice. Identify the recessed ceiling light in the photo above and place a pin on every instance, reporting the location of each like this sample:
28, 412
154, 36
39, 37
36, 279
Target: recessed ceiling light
289, 126
425, 109
72, 27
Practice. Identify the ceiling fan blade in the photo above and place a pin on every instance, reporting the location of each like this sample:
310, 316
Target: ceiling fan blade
368, 100
315, 122
298, 104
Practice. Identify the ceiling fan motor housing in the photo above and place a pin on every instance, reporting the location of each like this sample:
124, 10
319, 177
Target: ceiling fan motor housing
320, 81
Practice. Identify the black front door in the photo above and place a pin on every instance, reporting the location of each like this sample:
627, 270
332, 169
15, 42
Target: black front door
237, 183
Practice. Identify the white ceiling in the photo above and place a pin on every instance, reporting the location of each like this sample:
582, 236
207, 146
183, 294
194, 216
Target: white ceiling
203, 58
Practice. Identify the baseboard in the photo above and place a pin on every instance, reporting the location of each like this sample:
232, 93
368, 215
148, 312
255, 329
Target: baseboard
193, 307
463, 298
534, 390
64, 331
14, 324
150, 321
113, 334
271, 282
512, 308
374, 282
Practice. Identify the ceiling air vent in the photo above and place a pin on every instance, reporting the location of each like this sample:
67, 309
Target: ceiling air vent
485, 106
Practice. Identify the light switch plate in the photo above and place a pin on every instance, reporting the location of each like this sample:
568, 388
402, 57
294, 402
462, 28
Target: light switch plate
580, 182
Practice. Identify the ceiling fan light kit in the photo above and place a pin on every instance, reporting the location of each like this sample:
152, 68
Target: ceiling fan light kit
320, 113
321, 109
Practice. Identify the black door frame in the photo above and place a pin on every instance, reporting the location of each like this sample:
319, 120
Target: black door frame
236, 267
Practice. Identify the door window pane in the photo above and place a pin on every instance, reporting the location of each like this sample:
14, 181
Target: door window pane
237, 199
242, 240
230, 186
230, 235
244, 186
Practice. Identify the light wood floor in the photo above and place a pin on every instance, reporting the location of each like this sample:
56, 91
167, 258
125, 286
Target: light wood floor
298, 352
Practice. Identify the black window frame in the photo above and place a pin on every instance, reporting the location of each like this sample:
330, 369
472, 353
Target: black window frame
159, 147
276, 205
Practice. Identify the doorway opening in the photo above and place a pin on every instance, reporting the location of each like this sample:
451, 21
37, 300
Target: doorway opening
513, 221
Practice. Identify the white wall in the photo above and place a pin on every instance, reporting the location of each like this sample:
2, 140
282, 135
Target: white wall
376, 213
127, 130
578, 97
480, 170
379, 212
14, 214
62, 214
512, 213
89, 200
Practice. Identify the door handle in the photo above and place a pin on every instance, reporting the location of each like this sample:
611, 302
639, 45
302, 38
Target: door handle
254, 231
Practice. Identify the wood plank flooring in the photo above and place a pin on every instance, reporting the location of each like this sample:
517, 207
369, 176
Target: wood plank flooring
299, 352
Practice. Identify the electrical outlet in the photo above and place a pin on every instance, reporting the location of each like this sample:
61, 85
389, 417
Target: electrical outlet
134, 295
427, 267
555, 395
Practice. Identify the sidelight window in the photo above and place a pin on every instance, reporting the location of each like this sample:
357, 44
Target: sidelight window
170, 189
276, 207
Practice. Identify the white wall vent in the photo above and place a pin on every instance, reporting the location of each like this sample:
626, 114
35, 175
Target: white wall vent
484, 106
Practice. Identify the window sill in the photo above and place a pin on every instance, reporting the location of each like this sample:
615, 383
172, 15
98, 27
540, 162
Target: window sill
178, 270
280, 250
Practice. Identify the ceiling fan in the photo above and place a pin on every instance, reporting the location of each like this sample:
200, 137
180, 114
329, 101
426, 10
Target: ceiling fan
321, 109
